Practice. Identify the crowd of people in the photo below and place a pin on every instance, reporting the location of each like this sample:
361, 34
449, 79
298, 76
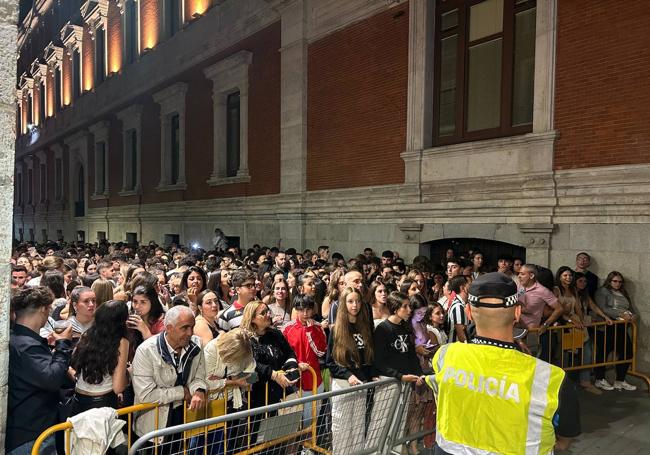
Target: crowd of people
100, 325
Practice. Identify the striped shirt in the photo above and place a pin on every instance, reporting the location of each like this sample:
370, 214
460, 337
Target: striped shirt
456, 315
231, 318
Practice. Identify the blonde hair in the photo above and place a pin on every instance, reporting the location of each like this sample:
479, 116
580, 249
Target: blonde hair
103, 290
249, 315
234, 346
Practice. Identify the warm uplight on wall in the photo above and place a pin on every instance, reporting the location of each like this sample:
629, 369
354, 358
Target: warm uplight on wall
149, 23
199, 7
115, 53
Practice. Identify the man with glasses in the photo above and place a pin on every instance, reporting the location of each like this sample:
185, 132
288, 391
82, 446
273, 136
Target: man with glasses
244, 283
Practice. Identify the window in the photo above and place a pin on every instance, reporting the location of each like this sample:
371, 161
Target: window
30, 186
172, 136
42, 96
76, 73
101, 152
132, 238
59, 235
175, 129
32, 237
172, 239
19, 188
58, 178
130, 31
131, 118
172, 16
100, 171
44, 235
484, 66
100, 56
133, 151
101, 236
42, 172
30, 105
232, 134
230, 123
58, 89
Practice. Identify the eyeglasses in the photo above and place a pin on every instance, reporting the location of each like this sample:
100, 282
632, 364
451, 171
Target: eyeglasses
248, 285
263, 312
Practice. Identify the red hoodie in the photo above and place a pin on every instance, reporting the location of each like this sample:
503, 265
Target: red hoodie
309, 343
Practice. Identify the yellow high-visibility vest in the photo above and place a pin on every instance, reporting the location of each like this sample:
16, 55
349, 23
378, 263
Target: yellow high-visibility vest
492, 400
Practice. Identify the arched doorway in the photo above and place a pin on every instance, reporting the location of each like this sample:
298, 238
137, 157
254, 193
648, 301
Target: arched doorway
80, 193
436, 250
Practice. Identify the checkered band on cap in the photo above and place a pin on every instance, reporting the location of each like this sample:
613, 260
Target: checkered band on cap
494, 285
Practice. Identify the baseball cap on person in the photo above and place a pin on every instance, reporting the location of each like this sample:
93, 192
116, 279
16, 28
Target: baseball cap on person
493, 285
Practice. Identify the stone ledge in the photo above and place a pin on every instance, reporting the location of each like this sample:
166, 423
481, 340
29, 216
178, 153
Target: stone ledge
125, 193
217, 181
176, 187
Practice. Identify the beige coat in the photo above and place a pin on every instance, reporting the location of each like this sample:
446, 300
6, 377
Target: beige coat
154, 379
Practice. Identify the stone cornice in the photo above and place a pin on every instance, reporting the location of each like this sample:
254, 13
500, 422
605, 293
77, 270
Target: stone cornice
26, 82
53, 55
72, 36
38, 69
234, 62
95, 14
171, 98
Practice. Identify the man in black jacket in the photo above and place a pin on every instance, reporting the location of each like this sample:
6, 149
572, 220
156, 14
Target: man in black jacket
36, 374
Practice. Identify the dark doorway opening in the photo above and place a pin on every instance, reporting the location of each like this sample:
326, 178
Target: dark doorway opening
491, 249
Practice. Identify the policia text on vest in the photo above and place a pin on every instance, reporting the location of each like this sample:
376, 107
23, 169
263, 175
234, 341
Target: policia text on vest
492, 400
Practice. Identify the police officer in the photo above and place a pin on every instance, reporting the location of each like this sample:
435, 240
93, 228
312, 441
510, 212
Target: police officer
491, 397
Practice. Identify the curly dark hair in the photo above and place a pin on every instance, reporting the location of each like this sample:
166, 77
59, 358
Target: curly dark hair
98, 349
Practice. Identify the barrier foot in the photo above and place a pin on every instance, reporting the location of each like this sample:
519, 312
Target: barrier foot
642, 376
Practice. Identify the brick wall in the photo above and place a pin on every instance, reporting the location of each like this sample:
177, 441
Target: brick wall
88, 60
114, 38
50, 93
357, 103
150, 23
67, 79
263, 126
602, 102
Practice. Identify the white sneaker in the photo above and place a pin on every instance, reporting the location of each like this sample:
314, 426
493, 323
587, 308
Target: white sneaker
623, 385
603, 384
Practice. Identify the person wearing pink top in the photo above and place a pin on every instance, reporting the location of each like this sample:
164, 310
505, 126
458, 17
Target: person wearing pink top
534, 298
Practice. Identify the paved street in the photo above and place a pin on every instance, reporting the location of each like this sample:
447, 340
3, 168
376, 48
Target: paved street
614, 423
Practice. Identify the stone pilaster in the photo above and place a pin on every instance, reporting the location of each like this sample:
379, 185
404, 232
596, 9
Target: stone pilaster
8, 37
293, 117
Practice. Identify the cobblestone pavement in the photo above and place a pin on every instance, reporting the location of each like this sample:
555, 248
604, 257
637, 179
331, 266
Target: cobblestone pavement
616, 423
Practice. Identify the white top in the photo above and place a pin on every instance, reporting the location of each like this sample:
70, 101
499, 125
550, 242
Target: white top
103, 387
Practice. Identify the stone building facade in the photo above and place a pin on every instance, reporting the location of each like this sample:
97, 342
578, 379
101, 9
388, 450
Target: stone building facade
386, 123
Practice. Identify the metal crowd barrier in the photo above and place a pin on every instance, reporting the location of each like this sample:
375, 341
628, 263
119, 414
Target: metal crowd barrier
214, 407
365, 419
67, 426
573, 348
